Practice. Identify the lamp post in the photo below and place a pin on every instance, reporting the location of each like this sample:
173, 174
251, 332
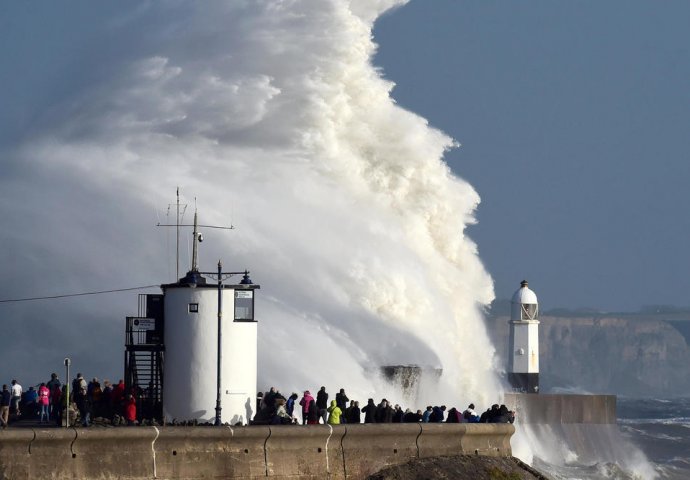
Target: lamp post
220, 333
67, 362
220, 276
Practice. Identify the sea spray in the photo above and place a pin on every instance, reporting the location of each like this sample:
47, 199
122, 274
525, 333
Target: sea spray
269, 116
586, 451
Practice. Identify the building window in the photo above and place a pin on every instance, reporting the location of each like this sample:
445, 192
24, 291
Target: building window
244, 305
529, 311
193, 308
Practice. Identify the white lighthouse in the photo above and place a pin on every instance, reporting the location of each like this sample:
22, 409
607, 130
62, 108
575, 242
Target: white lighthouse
210, 337
523, 368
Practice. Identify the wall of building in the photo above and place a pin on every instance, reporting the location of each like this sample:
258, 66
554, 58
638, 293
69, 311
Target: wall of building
191, 344
281, 452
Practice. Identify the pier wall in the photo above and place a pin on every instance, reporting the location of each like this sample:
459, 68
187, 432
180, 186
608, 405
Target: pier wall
562, 409
280, 452
574, 426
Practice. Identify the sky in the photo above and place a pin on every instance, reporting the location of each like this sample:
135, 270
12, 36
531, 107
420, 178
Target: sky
574, 122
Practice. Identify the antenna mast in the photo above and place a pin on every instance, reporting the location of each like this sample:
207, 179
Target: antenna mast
177, 223
197, 237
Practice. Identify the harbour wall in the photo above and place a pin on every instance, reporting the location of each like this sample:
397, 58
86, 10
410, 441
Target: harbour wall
582, 427
558, 409
280, 452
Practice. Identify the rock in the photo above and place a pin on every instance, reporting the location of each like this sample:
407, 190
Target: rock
460, 467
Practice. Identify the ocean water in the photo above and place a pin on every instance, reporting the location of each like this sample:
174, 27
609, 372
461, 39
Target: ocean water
661, 429
651, 441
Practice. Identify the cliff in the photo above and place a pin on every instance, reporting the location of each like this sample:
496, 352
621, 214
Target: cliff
625, 354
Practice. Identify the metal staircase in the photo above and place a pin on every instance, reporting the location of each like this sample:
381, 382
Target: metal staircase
144, 356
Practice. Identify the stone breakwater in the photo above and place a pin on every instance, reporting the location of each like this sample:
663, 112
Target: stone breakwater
304, 452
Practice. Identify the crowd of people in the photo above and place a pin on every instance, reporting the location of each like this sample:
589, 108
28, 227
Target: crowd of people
48, 401
274, 408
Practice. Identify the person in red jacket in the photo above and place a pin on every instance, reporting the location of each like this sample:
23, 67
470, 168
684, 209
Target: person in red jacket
117, 396
44, 402
306, 399
130, 410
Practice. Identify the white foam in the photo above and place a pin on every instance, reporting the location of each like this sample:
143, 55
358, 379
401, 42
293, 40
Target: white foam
593, 451
270, 116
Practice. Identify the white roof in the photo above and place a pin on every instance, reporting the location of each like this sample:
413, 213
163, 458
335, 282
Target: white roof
524, 295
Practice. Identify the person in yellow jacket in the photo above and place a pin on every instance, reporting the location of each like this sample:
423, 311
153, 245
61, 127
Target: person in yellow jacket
334, 414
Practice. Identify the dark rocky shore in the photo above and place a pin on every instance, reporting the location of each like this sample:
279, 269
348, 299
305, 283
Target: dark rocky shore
460, 467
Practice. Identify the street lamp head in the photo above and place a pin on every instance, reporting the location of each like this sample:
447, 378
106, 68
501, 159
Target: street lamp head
245, 279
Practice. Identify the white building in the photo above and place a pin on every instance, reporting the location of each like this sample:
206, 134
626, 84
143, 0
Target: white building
190, 378
523, 368
192, 351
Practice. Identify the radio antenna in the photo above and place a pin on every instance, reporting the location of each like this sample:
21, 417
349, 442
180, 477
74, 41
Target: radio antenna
177, 243
197, 235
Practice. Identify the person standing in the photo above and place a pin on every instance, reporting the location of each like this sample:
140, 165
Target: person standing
16, 397
341, 399
77, 384
398, 414
322, 403
305, 403
426, 416
56, 397
290, 405
44, 402
81, 398
347, 412
470, 415
30, 403
131, 410
107, 399
409, 416
334, 413
369, 411
54, 389
82, 401
117, 397
454, 416
5, 401
313, 413
384, 412
94, 393
354, 415
437, 414
53, 382
270, 398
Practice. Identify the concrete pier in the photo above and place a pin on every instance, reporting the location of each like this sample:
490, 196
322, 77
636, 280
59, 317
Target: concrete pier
280, 452
558, 409
580, 426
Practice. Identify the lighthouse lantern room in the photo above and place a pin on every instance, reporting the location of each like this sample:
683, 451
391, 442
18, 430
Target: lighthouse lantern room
523, 368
